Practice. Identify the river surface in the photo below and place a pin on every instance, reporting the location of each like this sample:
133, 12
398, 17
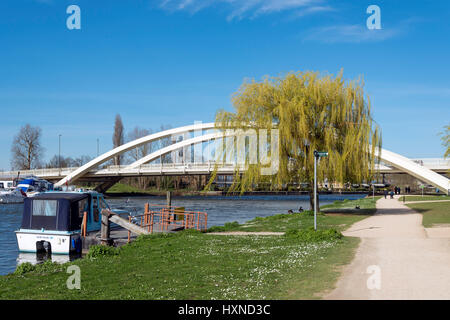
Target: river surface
220, 209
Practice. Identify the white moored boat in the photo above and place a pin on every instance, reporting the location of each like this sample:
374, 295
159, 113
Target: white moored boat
32, 185
52, 221
12, 196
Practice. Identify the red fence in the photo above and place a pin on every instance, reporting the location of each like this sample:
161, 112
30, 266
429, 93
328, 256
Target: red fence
158, 218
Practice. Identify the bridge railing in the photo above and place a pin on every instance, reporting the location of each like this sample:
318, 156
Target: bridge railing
159, 218
44, 172
433, 162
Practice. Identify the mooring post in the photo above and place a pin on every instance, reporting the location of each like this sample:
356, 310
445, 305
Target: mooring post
105, 228
169, 198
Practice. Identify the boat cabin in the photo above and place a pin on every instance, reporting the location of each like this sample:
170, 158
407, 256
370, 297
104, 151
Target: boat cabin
58, 211
55, 218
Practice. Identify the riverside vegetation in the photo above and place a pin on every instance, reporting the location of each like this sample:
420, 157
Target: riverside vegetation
301, 264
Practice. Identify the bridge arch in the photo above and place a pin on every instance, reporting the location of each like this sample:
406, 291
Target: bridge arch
75, 175
400, 162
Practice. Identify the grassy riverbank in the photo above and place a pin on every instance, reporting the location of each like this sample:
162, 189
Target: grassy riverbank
434, 213
366, 205
193, 265
424, 198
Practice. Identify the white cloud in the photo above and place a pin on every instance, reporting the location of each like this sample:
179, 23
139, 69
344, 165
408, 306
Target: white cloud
356, 33
240, 9
314, 9
350, 33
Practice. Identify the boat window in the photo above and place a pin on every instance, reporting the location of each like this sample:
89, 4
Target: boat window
45, 208
103, 204
2, 186
83, 207
96, 212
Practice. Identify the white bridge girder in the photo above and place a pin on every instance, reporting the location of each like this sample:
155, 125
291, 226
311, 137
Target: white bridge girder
401, 163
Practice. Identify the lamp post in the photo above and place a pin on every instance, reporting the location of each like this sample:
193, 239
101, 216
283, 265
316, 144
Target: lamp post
98, 147
317, 155
59, 154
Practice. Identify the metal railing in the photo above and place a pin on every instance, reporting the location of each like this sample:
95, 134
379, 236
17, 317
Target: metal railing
159, 218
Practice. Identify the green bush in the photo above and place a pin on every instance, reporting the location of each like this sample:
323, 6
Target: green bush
48, 267
44, 268
97, 251
309, 235
24, 268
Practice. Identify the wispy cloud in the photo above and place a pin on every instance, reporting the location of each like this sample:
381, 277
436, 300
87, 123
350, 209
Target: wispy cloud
356, 33
314, 9
349, 33
239, 9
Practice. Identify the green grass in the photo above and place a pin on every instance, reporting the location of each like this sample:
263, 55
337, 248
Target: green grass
285, 222
434, 213
124, 188
425, 198
367, 205
193, 265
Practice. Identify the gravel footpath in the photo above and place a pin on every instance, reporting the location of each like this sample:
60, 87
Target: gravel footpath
397, 258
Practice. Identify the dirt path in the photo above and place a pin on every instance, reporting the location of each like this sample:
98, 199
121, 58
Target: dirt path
411, 264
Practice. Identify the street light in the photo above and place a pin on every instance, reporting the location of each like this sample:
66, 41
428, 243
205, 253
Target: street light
98, 147
317, 155
59, 153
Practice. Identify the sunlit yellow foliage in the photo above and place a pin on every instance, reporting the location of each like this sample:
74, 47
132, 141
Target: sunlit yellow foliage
311, 112
446, 140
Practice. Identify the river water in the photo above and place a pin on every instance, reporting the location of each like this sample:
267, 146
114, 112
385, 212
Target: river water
220, 209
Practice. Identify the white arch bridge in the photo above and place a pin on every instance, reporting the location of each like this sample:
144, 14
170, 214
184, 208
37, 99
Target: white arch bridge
190, 150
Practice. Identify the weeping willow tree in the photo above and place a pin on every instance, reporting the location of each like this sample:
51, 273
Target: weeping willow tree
310, 112
446, 140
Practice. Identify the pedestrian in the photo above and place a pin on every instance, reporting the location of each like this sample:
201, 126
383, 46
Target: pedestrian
392, 194
385, 193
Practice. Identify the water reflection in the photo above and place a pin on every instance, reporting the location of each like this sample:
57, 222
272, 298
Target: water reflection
38, 258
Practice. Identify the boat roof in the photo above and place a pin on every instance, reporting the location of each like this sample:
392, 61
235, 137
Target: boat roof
72, 196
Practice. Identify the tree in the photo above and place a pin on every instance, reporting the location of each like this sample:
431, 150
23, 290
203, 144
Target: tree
310, 113
67, 162
118, 138
446, 140
165, 142
26, 148
141, 151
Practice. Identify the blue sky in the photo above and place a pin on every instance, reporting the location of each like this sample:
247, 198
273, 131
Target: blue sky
173, 62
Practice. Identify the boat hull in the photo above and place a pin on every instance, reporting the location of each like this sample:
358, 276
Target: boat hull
60, 243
